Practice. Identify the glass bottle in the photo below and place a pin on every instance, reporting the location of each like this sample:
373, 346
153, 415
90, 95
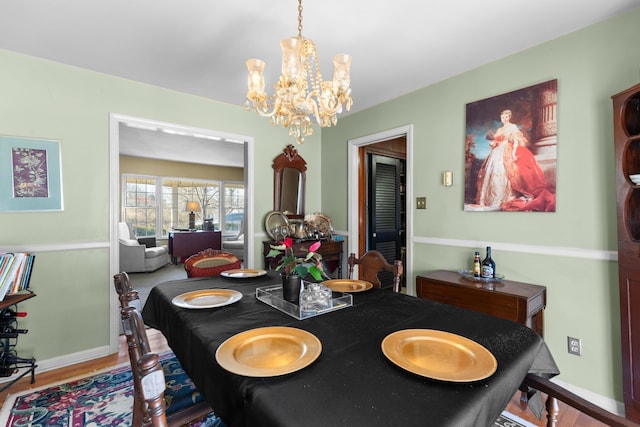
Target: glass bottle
488, 269
476, 264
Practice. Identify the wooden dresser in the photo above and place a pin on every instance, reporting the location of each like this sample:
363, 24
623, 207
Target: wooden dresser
520, 302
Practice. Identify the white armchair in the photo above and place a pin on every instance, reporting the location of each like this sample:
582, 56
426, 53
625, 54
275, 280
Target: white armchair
235, 245
136, 257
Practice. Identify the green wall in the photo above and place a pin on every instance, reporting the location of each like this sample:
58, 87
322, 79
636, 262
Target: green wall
71, 277
571, 251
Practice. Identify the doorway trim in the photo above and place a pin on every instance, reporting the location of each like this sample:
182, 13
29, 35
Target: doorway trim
353, 185
114, 200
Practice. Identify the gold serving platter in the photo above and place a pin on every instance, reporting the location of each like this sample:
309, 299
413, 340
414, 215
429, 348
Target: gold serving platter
439, 355
269, 351
348, 285
207, 298
243, 273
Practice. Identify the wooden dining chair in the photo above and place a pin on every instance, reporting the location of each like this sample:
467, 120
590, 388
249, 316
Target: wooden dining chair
373, 262
211, 262
126, 294
153, 403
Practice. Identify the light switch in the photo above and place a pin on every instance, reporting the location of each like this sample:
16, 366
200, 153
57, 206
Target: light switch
421, 203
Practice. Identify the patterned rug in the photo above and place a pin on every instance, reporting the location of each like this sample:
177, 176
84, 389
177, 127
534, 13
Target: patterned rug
507, 419
105, 400
100, 400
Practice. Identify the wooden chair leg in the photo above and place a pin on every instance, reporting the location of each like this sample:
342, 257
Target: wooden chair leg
552, 411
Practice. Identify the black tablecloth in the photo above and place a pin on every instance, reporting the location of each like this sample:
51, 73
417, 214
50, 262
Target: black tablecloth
352, 383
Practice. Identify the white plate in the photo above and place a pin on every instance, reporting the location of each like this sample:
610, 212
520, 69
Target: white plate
207, 298
243, 273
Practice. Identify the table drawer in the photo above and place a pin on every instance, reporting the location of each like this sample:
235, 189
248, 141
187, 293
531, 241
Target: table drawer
503, 306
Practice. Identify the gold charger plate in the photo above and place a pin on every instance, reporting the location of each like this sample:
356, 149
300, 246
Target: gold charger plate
439, 355
243, 273
268, 352
207, 298
348, 285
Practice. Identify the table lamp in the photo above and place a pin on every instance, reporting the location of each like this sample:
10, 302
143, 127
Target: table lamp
190, 207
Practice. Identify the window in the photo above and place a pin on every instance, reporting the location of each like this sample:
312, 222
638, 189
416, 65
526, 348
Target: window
141, 211
147, 217
233, 208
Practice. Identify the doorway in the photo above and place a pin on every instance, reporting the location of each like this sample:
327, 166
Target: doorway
385, 202
115, 122
380, 214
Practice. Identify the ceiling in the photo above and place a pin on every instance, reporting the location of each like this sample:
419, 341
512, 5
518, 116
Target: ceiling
200, 47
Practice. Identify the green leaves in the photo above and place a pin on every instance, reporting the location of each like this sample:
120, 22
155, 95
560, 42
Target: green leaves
310, 263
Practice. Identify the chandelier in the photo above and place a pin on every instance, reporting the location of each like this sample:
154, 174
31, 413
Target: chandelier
300, 93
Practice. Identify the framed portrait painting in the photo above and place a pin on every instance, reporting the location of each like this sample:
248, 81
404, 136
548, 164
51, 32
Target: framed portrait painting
510, 151
30, 175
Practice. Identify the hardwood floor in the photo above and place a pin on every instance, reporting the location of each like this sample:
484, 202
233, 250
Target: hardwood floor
568, 417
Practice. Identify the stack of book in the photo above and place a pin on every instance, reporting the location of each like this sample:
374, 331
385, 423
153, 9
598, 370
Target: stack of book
15, 272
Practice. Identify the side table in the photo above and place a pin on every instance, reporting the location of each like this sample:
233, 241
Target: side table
523, 303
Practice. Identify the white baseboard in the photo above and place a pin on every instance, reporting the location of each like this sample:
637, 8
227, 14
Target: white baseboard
604, 402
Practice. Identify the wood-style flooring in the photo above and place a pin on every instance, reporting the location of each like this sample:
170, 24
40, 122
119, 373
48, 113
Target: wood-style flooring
568, 417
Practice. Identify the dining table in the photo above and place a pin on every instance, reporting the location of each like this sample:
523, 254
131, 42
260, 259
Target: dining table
352, 380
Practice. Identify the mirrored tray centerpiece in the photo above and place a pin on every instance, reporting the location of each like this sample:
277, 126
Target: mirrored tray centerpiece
468, 274
272, 295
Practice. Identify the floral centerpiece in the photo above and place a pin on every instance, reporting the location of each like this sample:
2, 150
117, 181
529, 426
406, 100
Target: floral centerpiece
289, 264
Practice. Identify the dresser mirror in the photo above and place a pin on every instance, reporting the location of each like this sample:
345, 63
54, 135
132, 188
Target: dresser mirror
289, 178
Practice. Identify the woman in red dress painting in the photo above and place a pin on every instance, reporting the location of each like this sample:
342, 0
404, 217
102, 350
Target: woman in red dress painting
525, 187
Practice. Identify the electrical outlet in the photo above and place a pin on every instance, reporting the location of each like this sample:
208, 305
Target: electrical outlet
574, 346
421, 203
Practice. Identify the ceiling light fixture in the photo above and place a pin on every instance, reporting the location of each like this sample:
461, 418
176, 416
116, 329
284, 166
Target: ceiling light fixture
300, 93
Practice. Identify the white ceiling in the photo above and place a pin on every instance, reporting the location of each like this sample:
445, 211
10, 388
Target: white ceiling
200, 47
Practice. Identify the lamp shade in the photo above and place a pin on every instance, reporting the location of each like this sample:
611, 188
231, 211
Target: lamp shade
192, 206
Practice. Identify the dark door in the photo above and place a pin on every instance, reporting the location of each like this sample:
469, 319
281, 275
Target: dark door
384, 219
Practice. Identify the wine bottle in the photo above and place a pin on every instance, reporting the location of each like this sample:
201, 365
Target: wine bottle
7, 372
488, 269
8, 335
7, 313
10, 329
8, 359
476, 265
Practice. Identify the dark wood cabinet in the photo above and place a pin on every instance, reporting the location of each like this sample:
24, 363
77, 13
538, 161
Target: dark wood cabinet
331, 251
523, 303
626, 132
183, 244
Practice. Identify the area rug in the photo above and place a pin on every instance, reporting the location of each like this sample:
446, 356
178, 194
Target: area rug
104, 399
507, 419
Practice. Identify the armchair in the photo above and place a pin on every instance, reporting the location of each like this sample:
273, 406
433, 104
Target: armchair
137, 257
235, 245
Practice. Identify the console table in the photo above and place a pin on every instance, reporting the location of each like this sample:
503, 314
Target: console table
331, 251
523, 303
186, 243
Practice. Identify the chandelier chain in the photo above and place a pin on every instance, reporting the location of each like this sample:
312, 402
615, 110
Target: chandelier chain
300, 18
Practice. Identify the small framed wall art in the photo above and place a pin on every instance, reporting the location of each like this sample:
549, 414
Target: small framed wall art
30, 175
